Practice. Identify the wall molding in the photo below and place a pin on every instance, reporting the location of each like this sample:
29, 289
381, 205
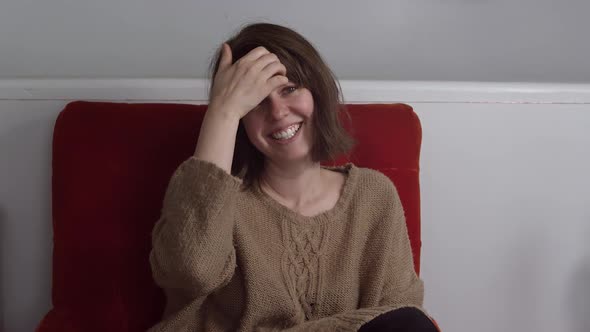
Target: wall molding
194, 91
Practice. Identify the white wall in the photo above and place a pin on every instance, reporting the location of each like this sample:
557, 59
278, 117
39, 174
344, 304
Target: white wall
506, 203
452, 40
505, 195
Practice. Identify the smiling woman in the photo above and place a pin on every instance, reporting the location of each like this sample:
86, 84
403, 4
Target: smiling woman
312, 96
255, 234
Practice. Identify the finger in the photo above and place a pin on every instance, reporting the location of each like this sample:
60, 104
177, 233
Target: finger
276, 81
272, 69
253, 55
263, 62
226, 56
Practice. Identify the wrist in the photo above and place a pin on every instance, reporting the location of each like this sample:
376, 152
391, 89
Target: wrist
222, 113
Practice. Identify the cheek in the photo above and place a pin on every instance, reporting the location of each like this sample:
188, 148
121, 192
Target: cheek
309, 108
306, 104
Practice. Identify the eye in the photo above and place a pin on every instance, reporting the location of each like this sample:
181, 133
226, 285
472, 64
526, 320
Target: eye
289, 89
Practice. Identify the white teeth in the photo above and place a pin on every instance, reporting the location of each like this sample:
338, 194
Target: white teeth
287, 133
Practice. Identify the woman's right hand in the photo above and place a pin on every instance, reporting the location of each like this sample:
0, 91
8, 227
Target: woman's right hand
240, 87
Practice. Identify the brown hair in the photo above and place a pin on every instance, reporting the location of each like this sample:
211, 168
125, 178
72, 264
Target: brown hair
305, 68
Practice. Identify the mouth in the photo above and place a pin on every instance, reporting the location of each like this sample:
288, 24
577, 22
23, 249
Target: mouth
287, 133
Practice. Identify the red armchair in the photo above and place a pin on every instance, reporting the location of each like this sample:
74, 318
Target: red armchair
111, 166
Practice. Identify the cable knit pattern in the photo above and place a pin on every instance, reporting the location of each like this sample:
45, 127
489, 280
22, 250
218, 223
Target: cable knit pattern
301, 262
230, 259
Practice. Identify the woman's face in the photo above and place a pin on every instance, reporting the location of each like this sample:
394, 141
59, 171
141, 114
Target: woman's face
280, 127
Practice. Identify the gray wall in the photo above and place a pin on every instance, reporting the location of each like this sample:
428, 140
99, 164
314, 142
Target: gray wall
453, 40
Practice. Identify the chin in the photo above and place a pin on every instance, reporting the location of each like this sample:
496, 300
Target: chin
293, 158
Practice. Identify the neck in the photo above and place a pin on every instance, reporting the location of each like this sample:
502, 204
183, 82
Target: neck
294, 185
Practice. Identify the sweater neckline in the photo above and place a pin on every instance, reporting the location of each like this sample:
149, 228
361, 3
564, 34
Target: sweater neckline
351, 173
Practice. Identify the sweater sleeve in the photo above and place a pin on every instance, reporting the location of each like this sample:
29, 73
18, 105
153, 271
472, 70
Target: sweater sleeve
404, 287
192, 242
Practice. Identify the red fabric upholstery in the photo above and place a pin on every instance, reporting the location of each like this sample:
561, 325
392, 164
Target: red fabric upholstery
111, 165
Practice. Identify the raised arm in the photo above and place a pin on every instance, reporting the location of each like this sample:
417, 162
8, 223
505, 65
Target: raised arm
192, 242
237, 89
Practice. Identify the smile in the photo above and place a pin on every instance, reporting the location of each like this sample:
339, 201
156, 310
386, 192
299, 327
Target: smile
287, 133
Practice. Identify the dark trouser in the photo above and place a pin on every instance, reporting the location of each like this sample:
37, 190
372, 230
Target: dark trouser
400, 320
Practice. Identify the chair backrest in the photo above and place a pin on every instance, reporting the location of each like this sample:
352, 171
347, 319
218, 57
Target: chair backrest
111, 166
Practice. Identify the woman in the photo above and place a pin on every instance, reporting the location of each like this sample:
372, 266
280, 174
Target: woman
256, 235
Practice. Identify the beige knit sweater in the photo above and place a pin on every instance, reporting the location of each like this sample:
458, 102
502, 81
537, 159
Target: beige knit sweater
236, 260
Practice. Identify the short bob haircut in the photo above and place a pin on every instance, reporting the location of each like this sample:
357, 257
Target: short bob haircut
305, 68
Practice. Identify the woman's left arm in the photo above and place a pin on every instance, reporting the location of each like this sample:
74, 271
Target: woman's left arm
402, 285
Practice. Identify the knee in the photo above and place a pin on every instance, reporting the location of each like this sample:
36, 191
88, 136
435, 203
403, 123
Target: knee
403, 319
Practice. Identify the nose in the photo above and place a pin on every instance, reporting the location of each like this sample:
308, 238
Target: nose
278, 108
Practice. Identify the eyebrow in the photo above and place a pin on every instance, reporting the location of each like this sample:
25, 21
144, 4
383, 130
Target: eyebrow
287, 85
